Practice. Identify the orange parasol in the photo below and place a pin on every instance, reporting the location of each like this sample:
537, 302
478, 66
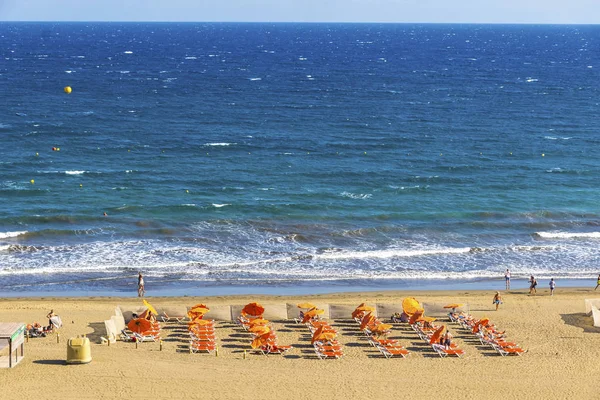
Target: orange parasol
311, 314
323, 337
366, 321
453, 305
260, 329
426, 319
201, 322
139, 325
415, 317
410, 305
361, 310
382, 328
201, 305
199, 310
253, 309
261, 340
435, 338
306, 305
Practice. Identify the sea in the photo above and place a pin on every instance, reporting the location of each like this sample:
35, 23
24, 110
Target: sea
220, 158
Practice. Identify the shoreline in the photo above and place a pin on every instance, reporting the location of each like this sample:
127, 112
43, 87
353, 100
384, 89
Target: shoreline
304, 289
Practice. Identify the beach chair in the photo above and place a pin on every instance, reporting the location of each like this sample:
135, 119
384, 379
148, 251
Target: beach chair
171, 318
203, 346
393, 351
442, 351
507, 351
146, 336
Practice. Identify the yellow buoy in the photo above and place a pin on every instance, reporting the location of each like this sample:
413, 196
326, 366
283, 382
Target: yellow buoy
187, 191
68, 89
80, 185
32, 181
543, 155
37, 154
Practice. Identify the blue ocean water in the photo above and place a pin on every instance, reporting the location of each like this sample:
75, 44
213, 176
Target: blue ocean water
287, 155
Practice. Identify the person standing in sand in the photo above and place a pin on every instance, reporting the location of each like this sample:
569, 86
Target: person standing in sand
532, 285
597, 282
552, 286
141, 288
497, 300
507, 278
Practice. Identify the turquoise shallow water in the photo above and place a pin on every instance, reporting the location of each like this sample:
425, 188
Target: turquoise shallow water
257, 155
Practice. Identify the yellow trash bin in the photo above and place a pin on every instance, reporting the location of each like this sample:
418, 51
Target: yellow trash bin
78, 351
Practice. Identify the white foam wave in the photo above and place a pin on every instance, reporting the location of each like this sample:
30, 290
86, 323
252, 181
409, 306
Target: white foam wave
128, 52
4, 235
568, 235
220, 205
191, 58
220, 144
75, 172
391, 253
255, 79
358, 196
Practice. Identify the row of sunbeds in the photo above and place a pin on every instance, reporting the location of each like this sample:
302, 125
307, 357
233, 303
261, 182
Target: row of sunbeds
487, 333
264, 336
377, 333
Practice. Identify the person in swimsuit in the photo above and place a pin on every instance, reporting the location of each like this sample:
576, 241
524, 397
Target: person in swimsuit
552, 286
532, 285
141, 289
598, 282
507, 278
497, 300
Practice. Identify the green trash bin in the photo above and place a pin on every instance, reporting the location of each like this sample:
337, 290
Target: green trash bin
78, 351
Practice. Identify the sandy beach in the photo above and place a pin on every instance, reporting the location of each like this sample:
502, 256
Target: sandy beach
561, 362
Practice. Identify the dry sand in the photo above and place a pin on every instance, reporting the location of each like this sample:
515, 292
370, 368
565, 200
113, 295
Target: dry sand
563, 358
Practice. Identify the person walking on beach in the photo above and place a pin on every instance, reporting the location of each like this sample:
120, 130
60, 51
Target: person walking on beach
507, 278
552, 286
497, 300
597, 282
141, 289
532, 285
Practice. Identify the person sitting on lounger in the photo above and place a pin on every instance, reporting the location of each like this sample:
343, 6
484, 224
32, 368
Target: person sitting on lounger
446, 340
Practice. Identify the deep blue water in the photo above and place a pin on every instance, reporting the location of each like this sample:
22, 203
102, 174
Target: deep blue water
275, 155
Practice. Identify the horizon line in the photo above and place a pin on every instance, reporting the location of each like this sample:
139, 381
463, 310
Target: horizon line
307, 22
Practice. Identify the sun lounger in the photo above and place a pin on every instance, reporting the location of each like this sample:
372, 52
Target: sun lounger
393, 351
442, 351
203, 347
506, 351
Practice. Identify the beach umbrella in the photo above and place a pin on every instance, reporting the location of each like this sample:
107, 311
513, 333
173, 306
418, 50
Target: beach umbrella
201, 322
139, 325
435, 338
366, 321
311, 314
199, 310
361, 310
261, 340
415, 317
150, 308
410, 305
253, 309
323, 337
381, 328
426, 319
306, 305
453, 305
260, 329
202, 305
